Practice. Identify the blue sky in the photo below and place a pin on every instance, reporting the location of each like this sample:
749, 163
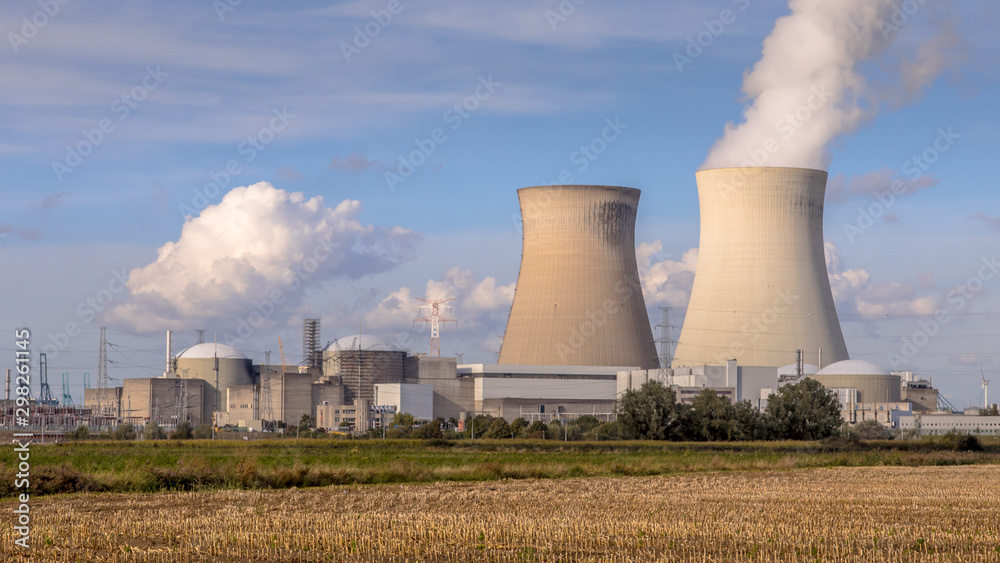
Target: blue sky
197, 84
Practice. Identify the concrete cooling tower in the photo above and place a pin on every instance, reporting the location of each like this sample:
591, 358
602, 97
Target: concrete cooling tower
578, 299
761, 290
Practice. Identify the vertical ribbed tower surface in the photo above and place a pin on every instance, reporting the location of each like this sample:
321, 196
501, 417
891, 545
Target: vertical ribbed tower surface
761, 290
578, 299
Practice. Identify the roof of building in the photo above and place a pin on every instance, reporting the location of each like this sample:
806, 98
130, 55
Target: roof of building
211, 350
793, 369
361, 342
852, 367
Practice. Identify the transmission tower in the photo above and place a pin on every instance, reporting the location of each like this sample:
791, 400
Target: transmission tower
67, 397
201, 335
435, 319
102, 372
45, 392
310, 343
267, 414
666, 340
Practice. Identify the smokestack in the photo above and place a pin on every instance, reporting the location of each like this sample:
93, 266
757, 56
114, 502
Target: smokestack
578, 299
6, 395
761, 290
799, 367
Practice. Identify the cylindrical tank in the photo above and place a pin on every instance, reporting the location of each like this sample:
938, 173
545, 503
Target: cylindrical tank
362, 361
578, 299
199, 362
874, 384
761, 290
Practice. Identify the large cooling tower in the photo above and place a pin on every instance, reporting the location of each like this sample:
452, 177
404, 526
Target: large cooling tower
761, 290
578, 299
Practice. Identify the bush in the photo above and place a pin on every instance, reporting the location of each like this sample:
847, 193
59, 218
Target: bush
124, 432
803, 411
153, 431
81, 433
182, 432
203, 432
498, 428
649, 413
429, 431
961, 442
518, 426
871, 430
536, 431
609, 431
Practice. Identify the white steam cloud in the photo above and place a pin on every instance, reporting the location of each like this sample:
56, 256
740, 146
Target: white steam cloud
807, 88
249, 259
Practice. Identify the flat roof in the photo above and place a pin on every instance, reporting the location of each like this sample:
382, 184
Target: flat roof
521, 369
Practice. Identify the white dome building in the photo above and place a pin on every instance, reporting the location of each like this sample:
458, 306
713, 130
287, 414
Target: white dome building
220, 366
874, 384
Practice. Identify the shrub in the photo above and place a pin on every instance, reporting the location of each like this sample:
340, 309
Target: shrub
203, 432
124, 432
182, 432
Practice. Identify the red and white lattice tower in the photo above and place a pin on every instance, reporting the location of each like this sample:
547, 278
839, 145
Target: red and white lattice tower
435, 319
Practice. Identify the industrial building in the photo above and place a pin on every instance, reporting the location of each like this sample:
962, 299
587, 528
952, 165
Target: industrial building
942, 423
578, 300
761, 290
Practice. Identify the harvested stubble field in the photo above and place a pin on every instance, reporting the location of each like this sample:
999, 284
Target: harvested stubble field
826, 514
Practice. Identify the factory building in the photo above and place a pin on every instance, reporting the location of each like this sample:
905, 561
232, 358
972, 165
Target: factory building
761, 290
452, 395
943, 423
578, 300
541, 392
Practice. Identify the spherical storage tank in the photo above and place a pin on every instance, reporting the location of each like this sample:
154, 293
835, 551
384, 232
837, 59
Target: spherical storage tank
199, 362
874, 384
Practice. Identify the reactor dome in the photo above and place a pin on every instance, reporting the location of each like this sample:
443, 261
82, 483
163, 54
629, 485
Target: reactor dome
852, 367
211, 350
364, 342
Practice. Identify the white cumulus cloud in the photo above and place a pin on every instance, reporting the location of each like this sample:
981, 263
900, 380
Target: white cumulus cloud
665, 281
256, 250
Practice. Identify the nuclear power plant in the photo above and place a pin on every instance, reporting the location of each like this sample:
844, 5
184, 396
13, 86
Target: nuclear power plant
761, 315
761, 291
578, 299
